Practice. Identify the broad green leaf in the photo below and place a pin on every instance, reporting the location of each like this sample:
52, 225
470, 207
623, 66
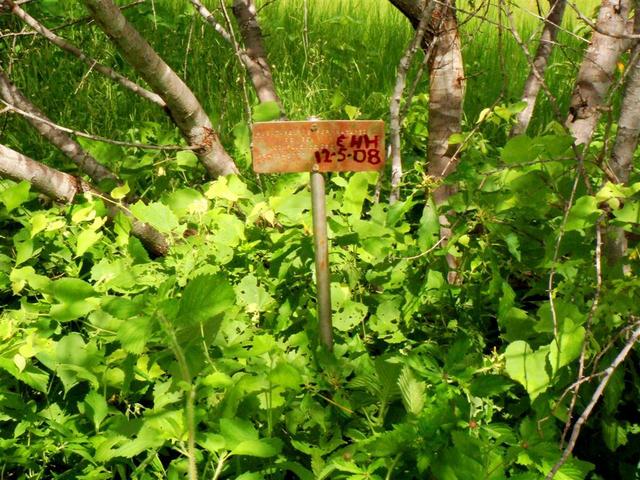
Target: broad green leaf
613, 434
258, 448
86, 239
355, 193
583, 214
96, 408
567, 348
15, 195
187, 201
352, 112
39, 222
186, 158
255, 297
349, 315
285, 375
518, 150
266, 112
205, 297
630, 213
155, 214
75, 297
412, 390
20, 277
429, 230
490, 385
235, 431
527, 367
134, 334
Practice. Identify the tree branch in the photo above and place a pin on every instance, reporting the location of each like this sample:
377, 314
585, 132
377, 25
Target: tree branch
75, 51
63, 187
182, 105
68, 146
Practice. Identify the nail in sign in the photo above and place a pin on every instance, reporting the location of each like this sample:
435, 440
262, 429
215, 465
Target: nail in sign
322, 146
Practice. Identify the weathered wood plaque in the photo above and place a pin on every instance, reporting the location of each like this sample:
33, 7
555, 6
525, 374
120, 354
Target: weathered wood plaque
321, 146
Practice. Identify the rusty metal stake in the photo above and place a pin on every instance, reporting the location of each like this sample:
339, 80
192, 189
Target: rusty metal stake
319, 211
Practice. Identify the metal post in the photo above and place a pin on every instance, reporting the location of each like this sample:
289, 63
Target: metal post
319, 211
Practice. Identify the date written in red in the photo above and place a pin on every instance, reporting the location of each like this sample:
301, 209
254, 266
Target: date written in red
359, 148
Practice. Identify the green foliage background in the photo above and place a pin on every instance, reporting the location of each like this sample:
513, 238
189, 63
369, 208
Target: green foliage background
106, 353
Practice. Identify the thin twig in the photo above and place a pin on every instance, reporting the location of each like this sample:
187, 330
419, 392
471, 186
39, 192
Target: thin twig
98, 138
575, 433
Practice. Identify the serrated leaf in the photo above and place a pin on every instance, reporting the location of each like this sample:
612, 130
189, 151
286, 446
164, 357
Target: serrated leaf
96, 408
412, 391
205, 297
156, 214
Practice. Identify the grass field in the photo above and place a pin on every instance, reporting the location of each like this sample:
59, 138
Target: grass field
344, 53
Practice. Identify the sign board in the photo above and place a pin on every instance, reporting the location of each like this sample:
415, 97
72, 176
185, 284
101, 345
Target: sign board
320, 146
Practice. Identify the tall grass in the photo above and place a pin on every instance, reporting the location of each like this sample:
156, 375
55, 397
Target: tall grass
340, 53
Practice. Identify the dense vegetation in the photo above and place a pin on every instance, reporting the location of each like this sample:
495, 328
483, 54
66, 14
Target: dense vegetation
113, 362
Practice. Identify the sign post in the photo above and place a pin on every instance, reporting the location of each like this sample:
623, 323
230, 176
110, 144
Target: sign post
318, 146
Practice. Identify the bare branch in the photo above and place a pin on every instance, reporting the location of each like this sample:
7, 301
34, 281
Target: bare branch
69, 147
395, 116
75, 51
539, 65
97, 138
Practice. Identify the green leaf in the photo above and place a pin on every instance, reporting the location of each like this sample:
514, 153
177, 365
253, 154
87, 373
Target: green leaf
613, 434
186, 158
187, 200
569, 346
96, 408
413, 391
266, 112
352, 112
490, 385
583, 214
518, 150
630, 213
134, 334
15, 195
155, 214
355, 193
235, 431
285, 375
349, 315
205, 297
258, 448
75, 297
86, 239
120, 192
429, 230
527, 367
254, 296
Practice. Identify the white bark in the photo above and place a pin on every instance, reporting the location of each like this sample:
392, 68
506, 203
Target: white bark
597, 69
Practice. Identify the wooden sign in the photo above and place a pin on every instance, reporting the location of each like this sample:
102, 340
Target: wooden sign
320, 146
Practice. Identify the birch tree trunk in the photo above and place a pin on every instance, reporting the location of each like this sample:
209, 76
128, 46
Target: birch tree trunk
255, 56
63, 187
182, 105
446, 97
69, 147
597, 69
534, 80
625, 146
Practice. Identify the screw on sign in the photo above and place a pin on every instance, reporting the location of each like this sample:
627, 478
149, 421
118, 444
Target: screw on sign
319, 146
